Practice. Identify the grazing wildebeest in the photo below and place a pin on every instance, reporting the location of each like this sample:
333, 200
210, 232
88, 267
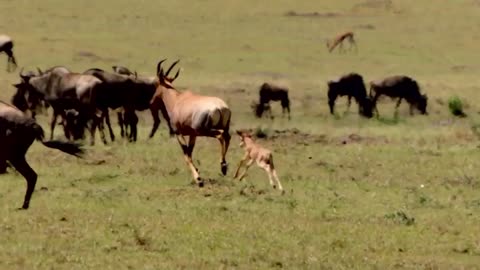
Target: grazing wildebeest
66, 91
401, 87
350, 85
17, 133
26, 102
269, 92
123, 71
6, 46
193, 115
254, 152
338, 41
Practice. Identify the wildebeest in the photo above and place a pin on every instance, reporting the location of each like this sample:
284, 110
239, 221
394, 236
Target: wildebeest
122, 70
270, 92
254, 152
193, 115
26, 102
401, 87
56, 69
350, 85
6, 46
66, 91
128, 93
17, 133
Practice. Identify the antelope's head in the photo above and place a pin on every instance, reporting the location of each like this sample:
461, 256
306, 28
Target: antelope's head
163, 77
244, 135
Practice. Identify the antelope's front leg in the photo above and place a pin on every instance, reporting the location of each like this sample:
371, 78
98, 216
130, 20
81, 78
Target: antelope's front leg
245, 158
249, 163
187, 154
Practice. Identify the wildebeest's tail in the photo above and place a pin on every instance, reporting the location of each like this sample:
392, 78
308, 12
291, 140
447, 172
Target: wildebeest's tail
70, 148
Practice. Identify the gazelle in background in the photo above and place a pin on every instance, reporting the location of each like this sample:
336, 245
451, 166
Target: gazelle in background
338, 41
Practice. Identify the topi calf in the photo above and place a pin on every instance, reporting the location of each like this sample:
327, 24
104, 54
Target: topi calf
256, 153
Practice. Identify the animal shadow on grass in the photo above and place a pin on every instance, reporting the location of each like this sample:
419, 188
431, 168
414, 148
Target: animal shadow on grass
395, 120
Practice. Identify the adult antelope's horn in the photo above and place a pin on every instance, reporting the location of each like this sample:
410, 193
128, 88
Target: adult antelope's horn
40, 72
171, 67
161, 76
136, 75
159, 65
176, 75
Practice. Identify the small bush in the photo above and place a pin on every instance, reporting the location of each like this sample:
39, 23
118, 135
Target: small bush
260, 132
455, 105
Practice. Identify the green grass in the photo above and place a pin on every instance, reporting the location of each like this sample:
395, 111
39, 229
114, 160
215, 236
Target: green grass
387, 193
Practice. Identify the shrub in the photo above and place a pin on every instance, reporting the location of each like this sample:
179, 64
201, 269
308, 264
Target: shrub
455, 105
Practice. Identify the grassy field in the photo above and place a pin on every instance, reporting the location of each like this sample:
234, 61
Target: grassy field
388, 193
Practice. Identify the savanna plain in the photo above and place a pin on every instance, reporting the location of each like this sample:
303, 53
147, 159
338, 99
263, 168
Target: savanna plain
383, 193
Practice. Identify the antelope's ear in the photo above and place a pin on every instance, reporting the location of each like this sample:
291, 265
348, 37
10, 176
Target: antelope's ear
17, 85
239, 132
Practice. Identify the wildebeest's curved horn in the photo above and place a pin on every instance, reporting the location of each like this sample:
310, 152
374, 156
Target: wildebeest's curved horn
40, 72
24, 77
159, 65
171, 67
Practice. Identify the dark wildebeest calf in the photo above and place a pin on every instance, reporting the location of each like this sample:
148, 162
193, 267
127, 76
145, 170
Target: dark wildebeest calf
402, 87
17, 133
269, 92
6, 46
350, 85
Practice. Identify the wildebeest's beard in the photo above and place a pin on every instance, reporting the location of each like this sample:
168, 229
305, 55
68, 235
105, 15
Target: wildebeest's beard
20, 101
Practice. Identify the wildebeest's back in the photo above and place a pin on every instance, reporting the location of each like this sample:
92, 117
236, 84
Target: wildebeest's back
270, 91
396, 86
351, 84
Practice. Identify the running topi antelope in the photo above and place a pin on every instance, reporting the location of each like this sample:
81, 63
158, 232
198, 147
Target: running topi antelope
256, 153
6, 46
193, 115
17, 133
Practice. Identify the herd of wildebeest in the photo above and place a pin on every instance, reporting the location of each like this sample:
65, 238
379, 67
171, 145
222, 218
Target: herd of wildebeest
83, 101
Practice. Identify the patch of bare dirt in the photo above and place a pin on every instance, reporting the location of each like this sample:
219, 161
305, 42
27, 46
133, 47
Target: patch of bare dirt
314, 14
374, 4
92, 57
460, 68
365, 26
355, 138
299, 137
262, 74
